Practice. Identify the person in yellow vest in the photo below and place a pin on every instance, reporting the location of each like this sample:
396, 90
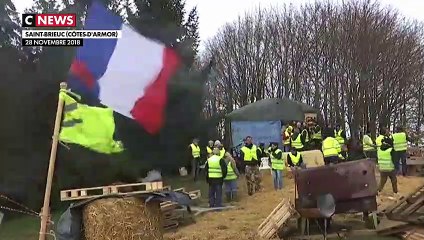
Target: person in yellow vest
330, 149
230, 181
216, 170
286, 138
195, 158
221, 148
380, 137
278, 165
263, 152
249, 154
340, 136
368, 146
295, 160
297, 140
344, 155
316, 136
386, 165
209, 148
306, 135
400, 145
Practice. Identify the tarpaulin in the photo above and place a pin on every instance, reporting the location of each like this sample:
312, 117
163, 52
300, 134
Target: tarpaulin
262, 131
69, 226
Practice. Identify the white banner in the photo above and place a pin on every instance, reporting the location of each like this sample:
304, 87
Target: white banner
71, 34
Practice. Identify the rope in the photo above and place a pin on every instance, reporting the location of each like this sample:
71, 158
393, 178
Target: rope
27, 209
19, 211
52, 234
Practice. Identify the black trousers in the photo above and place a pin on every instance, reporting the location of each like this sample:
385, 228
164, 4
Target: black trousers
393, 179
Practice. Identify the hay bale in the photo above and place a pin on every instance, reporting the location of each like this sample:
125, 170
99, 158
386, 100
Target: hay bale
122, 219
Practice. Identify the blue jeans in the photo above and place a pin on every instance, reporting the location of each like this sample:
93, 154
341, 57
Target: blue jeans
400, 157
215, 195
277, 176
230, 185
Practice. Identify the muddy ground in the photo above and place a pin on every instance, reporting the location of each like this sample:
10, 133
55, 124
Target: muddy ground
242, 222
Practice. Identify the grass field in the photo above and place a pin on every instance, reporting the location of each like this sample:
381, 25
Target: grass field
27, 227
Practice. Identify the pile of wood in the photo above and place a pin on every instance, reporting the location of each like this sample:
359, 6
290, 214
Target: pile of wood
172, 212
415, 152
405, 218
415, 161
273, 224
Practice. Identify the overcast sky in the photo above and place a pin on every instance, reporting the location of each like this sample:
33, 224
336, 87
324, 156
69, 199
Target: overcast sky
215, 13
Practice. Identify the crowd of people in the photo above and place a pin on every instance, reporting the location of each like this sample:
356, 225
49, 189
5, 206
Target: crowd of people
223, 168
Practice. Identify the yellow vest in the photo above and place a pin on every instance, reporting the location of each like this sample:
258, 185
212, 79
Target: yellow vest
277, 164
209, 150
287, 136
306, 135
330, 147
366, 141
384, 158
317, 135
249, 154
378, 141
338, 136
195, 150
295, 158
399, 141
297, 143
214, 168
222, 152
231, 175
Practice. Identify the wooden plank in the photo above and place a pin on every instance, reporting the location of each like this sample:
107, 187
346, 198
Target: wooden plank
180, 190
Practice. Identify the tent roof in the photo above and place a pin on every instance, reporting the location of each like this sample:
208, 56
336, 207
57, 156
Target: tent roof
272, 109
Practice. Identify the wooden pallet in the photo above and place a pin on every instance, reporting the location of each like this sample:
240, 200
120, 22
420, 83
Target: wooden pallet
196, 194
122, 189
167, 225
408, 209
275, 221
168, 206
173, 215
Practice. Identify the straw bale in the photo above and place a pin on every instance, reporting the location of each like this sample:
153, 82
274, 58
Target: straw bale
122, 219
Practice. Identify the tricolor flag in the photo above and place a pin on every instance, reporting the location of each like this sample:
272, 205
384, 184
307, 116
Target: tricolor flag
130, 74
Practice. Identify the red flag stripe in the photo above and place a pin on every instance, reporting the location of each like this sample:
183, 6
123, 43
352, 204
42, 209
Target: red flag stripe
149, 110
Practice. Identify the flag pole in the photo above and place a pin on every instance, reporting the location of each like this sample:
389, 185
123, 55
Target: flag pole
45, 211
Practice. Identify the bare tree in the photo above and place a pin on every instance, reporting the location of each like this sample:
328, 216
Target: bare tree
358, 62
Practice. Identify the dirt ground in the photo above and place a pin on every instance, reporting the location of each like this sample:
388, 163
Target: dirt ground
242, 222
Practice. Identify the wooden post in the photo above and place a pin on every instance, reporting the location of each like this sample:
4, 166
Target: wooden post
45, 211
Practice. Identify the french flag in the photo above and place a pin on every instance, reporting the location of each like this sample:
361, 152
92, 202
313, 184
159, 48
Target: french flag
129, 74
